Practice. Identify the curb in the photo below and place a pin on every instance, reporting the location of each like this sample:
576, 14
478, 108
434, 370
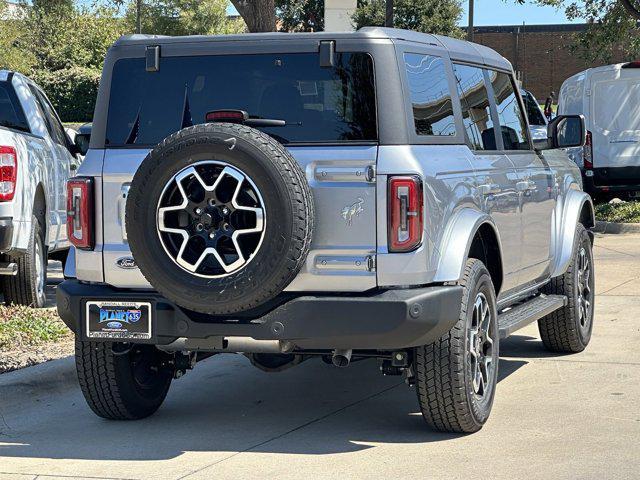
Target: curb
613, 227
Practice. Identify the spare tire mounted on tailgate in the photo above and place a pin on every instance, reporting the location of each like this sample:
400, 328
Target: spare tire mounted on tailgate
219, 218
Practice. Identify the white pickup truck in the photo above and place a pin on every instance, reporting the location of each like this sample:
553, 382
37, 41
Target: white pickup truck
36, 159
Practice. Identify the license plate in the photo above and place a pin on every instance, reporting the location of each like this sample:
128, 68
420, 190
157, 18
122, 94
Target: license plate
119, 320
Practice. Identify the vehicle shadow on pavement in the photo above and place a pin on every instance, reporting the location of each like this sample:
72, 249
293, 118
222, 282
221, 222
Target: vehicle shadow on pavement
524, 346
226, 405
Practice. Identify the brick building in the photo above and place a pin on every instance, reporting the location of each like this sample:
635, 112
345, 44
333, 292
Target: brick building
540, 54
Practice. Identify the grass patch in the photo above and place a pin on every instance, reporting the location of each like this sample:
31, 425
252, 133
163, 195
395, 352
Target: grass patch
623, 212
26, 326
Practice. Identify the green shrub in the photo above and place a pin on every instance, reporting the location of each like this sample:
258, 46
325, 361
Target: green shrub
22, 326
72, 91
624, 212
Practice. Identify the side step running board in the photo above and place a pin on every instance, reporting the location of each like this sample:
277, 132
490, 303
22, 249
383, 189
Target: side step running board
528, 312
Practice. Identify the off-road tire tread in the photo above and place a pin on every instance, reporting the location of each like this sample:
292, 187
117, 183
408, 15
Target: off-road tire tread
96, 375
440, 372
21, 289
303, 218
559, 330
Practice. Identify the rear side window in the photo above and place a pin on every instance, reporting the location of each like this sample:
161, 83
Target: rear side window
617, 105
512, 122
11, 114
54, 126
319, 104
430, 95
476, 112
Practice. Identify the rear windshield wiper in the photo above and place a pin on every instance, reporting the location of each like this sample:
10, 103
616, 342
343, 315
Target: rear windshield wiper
240, 116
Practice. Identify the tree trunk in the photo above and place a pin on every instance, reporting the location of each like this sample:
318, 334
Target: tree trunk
259, 15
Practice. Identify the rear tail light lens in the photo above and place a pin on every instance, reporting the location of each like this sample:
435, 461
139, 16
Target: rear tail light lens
80, 212
405, 215
8, 173
587, 155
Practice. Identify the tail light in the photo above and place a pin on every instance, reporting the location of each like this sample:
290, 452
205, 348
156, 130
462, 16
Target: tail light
405, 213
587, 155
8, 173
80, 212
230, 116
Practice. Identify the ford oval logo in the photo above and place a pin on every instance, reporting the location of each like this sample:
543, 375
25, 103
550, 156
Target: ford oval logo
127, 263
114, 325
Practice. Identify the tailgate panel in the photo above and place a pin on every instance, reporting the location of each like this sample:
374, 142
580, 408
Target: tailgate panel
344, 241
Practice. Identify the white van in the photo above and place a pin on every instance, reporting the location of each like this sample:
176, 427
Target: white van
609, 98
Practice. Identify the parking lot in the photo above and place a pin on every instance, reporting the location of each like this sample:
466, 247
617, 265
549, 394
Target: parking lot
554, 416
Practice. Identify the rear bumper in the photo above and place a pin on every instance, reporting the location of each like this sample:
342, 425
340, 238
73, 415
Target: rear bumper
612, 179
385, 320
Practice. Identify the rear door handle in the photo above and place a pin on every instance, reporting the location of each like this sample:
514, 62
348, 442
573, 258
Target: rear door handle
489, 189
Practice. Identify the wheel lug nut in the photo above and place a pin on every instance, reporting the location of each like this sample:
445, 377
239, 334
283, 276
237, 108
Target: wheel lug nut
212, 235
212, 202
225, 211
199, 227
198, 210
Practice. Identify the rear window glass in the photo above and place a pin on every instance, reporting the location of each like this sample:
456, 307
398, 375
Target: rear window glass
430, 95
11, 115
319, 104
617, 105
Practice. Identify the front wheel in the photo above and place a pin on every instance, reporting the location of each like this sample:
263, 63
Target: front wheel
568, 330
123, 381
456, 376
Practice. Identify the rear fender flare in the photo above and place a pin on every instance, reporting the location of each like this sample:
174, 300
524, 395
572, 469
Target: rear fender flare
456, 243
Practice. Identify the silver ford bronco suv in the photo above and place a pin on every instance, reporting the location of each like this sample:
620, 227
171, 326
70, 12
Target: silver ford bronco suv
329, 195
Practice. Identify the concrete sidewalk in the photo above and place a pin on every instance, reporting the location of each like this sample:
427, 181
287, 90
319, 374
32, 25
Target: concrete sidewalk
555, 417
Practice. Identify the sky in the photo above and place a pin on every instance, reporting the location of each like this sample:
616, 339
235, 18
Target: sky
501, 12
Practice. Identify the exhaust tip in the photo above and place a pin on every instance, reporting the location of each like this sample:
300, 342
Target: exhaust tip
341, 358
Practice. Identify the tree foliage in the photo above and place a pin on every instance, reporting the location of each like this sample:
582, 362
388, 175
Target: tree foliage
430, 16
183, 17
610, 26
259, 15
72, 91
300, 15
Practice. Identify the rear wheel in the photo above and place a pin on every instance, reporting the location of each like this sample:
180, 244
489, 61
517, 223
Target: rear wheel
123, 381
27, 287
456, 376
568, 330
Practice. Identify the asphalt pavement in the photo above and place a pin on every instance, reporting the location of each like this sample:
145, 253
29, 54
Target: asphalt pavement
554, 417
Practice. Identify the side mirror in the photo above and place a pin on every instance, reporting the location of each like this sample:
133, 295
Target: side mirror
565, 131
83, 138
